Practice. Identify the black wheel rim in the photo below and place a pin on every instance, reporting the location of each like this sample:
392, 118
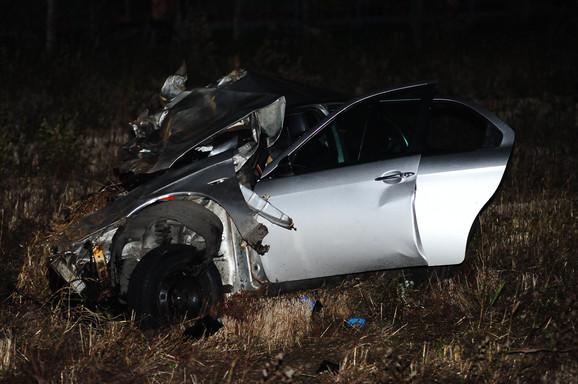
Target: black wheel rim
181, 295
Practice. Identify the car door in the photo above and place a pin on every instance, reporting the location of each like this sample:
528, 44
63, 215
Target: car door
464, 157
350, 187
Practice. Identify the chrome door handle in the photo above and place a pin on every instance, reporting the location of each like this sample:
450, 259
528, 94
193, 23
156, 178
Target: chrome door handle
394, 177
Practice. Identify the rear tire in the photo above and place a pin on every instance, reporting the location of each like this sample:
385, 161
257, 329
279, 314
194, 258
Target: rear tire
174, 282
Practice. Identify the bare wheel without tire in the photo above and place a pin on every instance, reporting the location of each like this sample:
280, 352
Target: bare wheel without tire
174, 282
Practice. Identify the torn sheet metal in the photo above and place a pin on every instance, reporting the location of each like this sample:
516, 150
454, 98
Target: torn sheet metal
213, 177
208, 143
265, 209
175, 84
189, 119
196, 117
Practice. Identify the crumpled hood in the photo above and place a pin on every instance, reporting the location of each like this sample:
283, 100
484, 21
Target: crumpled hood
191, 118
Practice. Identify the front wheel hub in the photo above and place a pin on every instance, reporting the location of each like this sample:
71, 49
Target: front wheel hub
180, 295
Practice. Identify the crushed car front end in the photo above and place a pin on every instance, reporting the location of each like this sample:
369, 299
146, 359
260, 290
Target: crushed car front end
202, 150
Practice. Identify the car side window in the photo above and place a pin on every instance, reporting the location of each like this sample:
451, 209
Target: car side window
335, 146
455, 128
390, 129
294, 126
368, 132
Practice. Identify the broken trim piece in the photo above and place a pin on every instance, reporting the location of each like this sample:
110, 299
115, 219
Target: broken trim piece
265, 209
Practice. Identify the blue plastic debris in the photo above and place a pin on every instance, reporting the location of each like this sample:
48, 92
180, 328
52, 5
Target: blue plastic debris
356, 322
307, 300
314, 305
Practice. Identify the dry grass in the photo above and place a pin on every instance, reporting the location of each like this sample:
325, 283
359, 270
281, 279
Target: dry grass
274, 324
507, 314
7, 348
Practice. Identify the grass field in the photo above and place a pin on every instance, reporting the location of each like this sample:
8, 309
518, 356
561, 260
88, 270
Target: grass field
508, 314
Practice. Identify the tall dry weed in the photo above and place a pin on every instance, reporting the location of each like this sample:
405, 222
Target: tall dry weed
7, 349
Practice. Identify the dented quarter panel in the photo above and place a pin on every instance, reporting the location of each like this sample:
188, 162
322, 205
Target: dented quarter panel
213, 178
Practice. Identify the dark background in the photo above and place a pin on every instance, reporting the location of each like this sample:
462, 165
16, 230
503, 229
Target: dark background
100, 62
513, 47
74, 73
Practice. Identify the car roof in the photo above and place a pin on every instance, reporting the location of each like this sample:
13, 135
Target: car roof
295, 93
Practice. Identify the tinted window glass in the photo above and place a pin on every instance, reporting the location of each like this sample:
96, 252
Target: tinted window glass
455, 128
294, 126
366, 133
389, 130
337, 145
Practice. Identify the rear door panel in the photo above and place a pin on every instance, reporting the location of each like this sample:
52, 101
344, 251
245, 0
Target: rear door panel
452, 189
451, 192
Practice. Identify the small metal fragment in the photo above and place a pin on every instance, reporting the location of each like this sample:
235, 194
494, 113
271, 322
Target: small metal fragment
100, 262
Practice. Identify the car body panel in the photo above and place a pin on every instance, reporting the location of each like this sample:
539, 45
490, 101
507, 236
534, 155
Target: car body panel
452, 189
187, 121
347, 221
441, 202
191, 117
213, 178
412, 209
449, 199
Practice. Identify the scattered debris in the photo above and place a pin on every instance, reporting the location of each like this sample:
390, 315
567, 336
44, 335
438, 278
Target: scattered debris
314, 305
403, 288
6, 349
356, 322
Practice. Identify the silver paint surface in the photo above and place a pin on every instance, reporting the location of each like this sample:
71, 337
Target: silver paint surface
346, 222
452, 190
407, 211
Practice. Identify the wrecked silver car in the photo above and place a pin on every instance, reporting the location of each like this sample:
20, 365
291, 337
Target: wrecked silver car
390, 180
